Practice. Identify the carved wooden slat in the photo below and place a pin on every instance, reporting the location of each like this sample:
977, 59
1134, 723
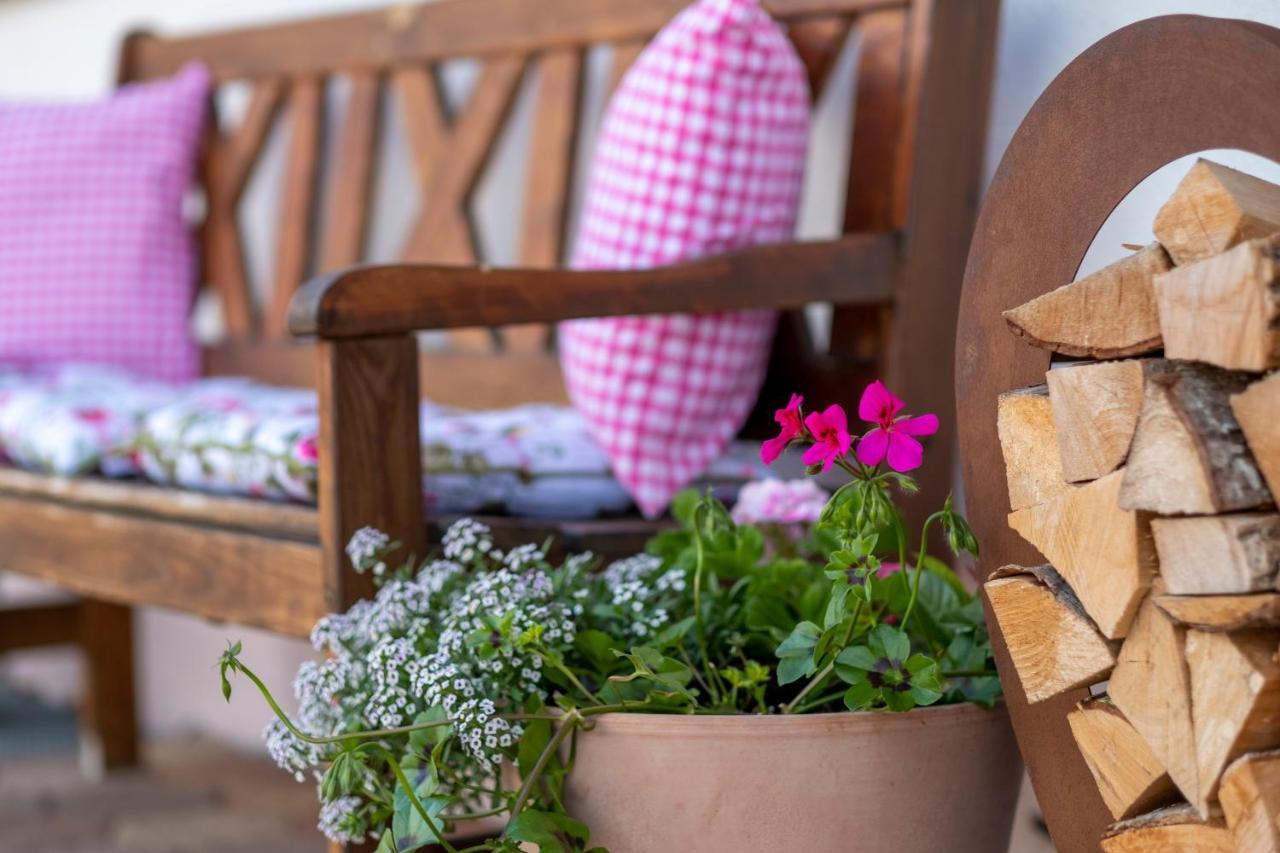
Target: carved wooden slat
437, 31
347, 219
819, 42
38, 625
443, 233
624, 56
297, 208
108, 720
551, 155
229, 164
873, 165
422, 112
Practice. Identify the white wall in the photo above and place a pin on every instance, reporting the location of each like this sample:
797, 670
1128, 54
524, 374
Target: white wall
66, 49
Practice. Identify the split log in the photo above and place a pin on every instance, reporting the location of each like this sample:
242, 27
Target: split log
1130, 777
1104, 552
1223, 310
1151, 686
1223, 612
1095, 411
1052, 642
1177, 829
1189, 456
1257, 409
1250, 796
1224, 554
1024, 422
1235, 699
1109, 314
1213, 209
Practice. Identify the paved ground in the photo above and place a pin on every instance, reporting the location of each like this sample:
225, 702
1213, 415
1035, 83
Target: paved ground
190, 797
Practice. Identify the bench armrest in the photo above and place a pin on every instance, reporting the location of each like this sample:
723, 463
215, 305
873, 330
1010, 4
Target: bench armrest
383, 300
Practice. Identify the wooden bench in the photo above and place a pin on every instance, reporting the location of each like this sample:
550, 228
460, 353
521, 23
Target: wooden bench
923, 78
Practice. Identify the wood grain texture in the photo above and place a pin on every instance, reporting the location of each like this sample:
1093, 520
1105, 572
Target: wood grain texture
297, 219
1029, 444
1235, 696
1257, 410
1225, 310
221, 574
1223, 612
1250, 795
229, 161
388, 300
1188, 453
1054, 645
1225, 554
1104, 552
347, 212
1214, 208
432, 32
370, 459
1131, 779
1095, 411
1151, 685
1175, 828
108, 712
36, 625
1111, 313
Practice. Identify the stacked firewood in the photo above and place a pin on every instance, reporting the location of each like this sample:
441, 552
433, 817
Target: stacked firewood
1144, 471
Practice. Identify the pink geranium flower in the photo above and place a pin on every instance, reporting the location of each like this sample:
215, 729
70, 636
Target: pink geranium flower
789, 420
892, 437
831, 439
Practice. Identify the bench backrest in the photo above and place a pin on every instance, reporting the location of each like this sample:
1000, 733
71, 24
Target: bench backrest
325, 192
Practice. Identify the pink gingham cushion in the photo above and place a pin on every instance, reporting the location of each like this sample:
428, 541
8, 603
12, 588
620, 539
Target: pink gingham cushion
96, 263
701, 151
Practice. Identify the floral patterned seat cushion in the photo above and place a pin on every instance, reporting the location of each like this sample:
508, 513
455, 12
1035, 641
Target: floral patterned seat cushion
233, 436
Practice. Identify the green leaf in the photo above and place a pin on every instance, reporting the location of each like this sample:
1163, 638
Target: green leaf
683, 506
410, 831
890, 642
836, 605
793, 669
553, 832
387, 844
802, 641
861, 695
423, 741
856, 659
537, 734
597, 647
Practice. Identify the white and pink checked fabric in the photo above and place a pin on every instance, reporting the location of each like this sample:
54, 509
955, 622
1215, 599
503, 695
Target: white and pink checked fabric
96, 262
701, 151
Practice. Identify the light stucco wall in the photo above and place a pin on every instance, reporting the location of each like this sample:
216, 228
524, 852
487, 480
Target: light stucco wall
66, 49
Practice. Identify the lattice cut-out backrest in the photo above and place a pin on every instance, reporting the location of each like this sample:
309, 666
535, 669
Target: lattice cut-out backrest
396, 57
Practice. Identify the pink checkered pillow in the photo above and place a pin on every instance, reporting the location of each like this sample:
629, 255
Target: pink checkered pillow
96, 262
702, 151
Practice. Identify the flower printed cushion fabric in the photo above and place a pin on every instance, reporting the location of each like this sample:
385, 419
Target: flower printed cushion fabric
96, 261
701, 151
74, 419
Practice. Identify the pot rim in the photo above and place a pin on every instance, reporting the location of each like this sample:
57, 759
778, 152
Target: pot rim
962, 714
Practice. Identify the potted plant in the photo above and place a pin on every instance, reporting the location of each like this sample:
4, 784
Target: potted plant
738, 686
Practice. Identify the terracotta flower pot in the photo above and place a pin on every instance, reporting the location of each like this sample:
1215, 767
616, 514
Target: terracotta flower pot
930, 780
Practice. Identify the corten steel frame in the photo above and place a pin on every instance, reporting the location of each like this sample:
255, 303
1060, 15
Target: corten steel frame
1140, 98
923, 80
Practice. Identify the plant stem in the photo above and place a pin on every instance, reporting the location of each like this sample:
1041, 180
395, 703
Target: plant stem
571, 721
818, 703
413, 797
700, 628
573, 679
822, 674
915, 585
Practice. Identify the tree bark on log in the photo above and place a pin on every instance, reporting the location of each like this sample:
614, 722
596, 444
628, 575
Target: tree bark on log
1257, 409
1218, 554
1189, 456
1223, 612
1109, 314
1177, 829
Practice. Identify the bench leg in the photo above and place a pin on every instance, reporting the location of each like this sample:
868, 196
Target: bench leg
108, 721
